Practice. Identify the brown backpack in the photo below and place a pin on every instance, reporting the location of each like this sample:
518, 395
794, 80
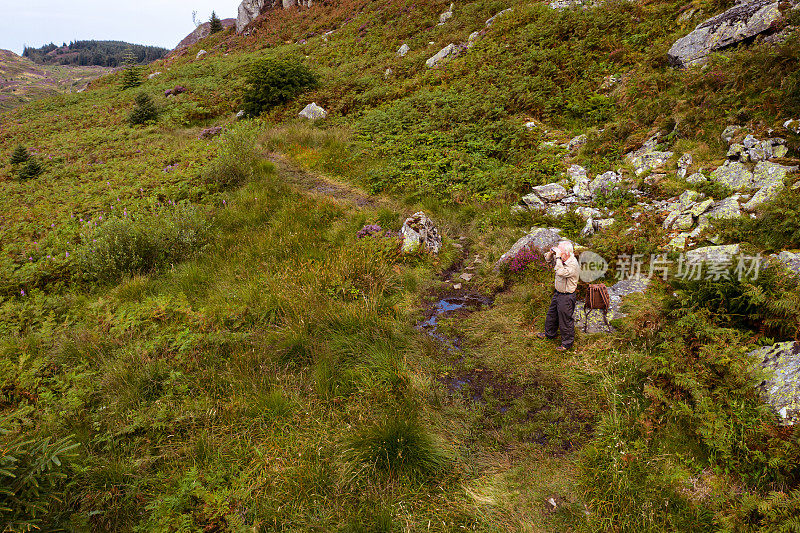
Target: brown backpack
597, 297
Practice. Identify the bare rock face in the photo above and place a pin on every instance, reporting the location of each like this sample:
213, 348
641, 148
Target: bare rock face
743, 21
201, 32
249, 10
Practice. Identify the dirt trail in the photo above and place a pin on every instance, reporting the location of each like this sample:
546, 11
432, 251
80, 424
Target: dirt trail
319, 185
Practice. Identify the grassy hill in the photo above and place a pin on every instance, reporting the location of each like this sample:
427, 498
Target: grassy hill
195, 337
22, 81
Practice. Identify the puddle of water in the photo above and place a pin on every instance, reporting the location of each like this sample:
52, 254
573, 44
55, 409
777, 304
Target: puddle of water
448, 305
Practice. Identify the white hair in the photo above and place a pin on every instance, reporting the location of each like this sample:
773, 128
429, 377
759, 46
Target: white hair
566, 246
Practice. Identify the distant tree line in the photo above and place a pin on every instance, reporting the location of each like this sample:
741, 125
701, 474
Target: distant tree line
84, 53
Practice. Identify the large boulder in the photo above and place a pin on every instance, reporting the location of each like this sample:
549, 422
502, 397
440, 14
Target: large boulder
418, 230
538, 239
743, 21
604, 181
249, 10
313, 112
782, 388
790, 260
713, 254
768, 174
727, 208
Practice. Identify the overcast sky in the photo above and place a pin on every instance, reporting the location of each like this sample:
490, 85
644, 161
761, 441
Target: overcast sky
154, 22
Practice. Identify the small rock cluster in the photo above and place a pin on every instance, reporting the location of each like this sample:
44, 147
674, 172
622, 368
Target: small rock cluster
452, 50
782, 388
648, 158
419, 230
313, 112
179, 89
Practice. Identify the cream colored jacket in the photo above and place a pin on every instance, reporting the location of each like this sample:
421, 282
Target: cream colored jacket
567, 274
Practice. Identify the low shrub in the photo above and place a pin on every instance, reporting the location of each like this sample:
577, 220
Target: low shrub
144, 110
273, 82
32, 169
236, 162
136, 244
19, 155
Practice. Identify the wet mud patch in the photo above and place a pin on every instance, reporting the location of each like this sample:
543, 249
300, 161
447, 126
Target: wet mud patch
535, 411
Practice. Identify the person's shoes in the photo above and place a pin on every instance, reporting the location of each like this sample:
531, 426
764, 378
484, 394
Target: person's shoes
563, 348
542, 335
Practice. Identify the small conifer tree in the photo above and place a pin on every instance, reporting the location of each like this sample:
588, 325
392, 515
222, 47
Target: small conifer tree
31, 169
215, 23
19, 155
131, 76
143, 111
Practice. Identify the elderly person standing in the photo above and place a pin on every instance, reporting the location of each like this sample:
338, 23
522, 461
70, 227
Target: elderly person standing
562, 305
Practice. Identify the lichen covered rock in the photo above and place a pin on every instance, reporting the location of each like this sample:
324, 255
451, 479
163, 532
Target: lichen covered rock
419, 230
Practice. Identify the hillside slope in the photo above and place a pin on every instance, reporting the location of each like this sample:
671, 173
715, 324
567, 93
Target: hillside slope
208, 323
21, 80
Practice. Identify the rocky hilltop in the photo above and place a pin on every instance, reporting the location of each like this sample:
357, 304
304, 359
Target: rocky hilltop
201, 32
249, 10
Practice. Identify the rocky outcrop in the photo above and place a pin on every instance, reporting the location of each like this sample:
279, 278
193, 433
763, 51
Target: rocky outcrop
201, 32
647, 157
742, 21
418, 230
249, 10
782, 388
538, 239
445, 54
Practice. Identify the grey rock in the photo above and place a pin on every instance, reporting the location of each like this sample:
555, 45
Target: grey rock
576, 171
733, 174
313, 112
153, 75
533, 201
697, 177
678, 242
569, 4
577, 142
790, 260
200, 54
713, 254
701, 207
588, 228
490, 21
770, 174
647, 157
687, 197
445, 54
249, 10
764, 194
539, 239
388, 73
556, 210
684, 221
726, 209
604, 181
581, 188
530, 125
781, 389
447, 15
418, 230
737, 152
603, 223
749, 141
793, 125
780, 151
616, 293
730, 132
552, 192
586, 212
240, 114
669, 221
742, 21
403, 50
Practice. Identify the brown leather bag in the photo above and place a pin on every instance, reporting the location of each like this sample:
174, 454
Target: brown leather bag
597, 297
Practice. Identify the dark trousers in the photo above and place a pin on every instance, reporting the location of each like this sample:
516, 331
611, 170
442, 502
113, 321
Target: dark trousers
559, 315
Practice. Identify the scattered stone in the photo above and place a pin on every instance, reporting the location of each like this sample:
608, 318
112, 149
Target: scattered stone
313, 112
793, 125
418, 230
697, 177
240, 114
448, 52
701, 207
604, 181
153, 75
726, 209
447, 15
466, 277
586, 212
770, 174
678, 242
782, 388
684, 163
552, 192
744, 20
457, 286
576, 142
647, 157
403, 50
581, 188
588, 229
178, 89
210, 132
684, 221
670, 220
602, 224
388, 74
576, 171
556, 210
530, 125
503, 12
730, 132
688, 197
200, 54
733, 174
764, 194
560, 5
713, 254
790, 260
